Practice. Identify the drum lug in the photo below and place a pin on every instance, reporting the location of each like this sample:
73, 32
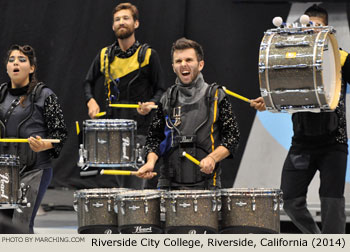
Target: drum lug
173, 205
253, 204
195, 205
82, 156
162, 205
109, 208
122, 210
23, 201
116, 208
219, 204
275, 204
75, 205
146, 206
281, 203
229, 203
213, 205
138, 153
86, 206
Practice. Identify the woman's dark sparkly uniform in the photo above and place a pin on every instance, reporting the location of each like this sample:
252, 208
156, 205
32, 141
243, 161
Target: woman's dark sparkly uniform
39, 115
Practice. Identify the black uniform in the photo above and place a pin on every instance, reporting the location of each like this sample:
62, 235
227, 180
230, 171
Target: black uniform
40, 114
131, 76
319, 143
204, 121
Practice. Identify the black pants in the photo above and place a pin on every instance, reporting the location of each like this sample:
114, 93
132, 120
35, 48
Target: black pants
300, 168
298, 171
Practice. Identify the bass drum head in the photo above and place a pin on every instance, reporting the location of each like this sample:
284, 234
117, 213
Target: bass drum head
331, 71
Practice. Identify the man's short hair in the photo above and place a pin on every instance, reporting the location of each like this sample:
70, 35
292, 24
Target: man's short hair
127, 6
317, 11
184, 43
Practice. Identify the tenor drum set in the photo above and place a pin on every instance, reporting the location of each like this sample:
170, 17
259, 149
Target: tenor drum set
125, 211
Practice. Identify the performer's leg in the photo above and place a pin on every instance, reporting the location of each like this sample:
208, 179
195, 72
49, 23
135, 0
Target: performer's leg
297, 173
44, 184
332, 175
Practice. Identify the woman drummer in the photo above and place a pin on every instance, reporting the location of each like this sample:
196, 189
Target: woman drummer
29, 110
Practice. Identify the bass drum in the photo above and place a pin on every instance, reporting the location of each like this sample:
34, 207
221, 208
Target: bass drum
299, 69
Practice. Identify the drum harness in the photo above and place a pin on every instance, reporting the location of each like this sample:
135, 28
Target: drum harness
182, 142
110, 54
28, 157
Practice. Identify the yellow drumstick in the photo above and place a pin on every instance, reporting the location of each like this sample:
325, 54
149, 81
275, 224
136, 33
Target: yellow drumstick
121, 172
189, 157
100, 114
236, 95
77, 127
24, 140
131, 106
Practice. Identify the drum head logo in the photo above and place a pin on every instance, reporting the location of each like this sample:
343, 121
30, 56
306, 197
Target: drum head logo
4, 180
101, 141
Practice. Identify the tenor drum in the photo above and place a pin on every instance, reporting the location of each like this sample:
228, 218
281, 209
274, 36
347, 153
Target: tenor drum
110, 142
191, 211
96, 210
250, 210
299, 69
9, 181
139, 212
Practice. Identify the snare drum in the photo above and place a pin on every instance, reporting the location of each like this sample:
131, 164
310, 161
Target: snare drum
299, 69
191, 211
110, 142
250, 210
139, 212
9, 181
96, 210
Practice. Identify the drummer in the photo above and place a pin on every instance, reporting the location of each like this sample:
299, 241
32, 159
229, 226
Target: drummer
29, 110
126, 79
319, 143
186, 121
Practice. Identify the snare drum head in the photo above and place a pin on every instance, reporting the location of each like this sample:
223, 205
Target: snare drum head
250, 192
190, 194
9, 160
139, 195
99, 192
109, 123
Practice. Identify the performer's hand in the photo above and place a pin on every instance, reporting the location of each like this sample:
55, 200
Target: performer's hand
258, 104
207, 165
146, 170
93, 108
144, 108
36, 145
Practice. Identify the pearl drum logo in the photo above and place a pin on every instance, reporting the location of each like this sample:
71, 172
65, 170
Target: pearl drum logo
4, 180
142, 230
125, 145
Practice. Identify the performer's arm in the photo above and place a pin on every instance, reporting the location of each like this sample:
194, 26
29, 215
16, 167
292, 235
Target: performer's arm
93, 74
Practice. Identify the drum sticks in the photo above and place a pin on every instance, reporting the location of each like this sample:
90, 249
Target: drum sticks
236, 95
189, 157
24, 140
121, 172
100, 114
131, 106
